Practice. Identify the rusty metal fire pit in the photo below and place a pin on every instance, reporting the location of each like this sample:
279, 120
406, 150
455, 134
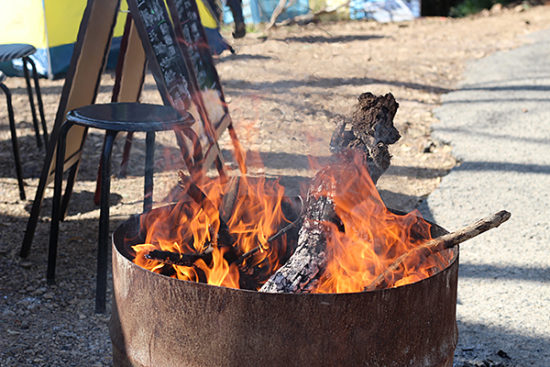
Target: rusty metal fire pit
162, 321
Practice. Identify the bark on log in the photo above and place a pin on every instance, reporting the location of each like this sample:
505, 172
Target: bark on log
438, 244
372, 130
309, 258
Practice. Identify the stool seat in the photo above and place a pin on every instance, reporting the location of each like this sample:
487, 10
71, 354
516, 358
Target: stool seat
9, 52
129, 117
15, 51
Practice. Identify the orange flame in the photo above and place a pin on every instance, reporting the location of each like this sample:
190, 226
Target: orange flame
373, 237
190, 228
367, 240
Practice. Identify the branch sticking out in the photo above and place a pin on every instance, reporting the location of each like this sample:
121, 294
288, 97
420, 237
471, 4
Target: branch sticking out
447, 241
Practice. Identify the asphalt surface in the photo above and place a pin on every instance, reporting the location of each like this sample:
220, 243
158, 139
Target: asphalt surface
498, 123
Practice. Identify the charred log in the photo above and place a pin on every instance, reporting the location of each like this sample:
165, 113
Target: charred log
372, 130
176, 258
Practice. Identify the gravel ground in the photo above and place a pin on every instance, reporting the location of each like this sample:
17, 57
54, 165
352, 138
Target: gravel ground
284, 93
498, 123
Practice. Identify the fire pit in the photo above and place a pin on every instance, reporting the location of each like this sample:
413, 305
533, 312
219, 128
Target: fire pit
162, 321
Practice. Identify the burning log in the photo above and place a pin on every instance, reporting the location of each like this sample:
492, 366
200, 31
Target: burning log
309, 257
176, 258
371, 133
428, 248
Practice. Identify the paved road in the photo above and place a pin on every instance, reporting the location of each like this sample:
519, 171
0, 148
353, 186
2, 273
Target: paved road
498, 123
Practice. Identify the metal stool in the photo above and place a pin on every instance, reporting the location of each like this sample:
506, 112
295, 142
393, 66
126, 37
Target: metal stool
14, 143
9, 52
113, 118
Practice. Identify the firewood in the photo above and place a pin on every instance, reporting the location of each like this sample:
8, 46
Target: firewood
372, 130
176, 258
309, 258
387, 278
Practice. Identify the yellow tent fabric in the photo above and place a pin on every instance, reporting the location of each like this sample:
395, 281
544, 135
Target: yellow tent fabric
207, 19
51, 26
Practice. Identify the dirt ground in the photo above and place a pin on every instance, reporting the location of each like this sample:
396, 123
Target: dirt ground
284, 92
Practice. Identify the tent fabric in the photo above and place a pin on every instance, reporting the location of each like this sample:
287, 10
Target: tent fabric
258, 11
216, 42
212, 29
51, 26
384, 11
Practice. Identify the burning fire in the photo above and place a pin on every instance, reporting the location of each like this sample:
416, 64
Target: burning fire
240, 251
372, 237
190, 228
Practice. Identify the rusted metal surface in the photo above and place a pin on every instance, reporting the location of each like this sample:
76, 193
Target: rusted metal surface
161, 321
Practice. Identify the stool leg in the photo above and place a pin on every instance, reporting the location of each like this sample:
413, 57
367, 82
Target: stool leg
56, 204
14, 144
39, 100
149, 163
103, 241
31, 102
126, 154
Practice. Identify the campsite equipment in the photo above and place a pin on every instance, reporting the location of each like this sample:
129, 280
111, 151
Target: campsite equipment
113, 118
23, 52
184, 73
413, 324
14, 143
52, 28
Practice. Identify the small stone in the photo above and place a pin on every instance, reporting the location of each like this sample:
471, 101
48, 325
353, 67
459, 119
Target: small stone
39, 291
8, 313
429, 147
497, 8
524, 110
4, 249
81, 316
25, 264
48, 295
519, 8
503, 354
